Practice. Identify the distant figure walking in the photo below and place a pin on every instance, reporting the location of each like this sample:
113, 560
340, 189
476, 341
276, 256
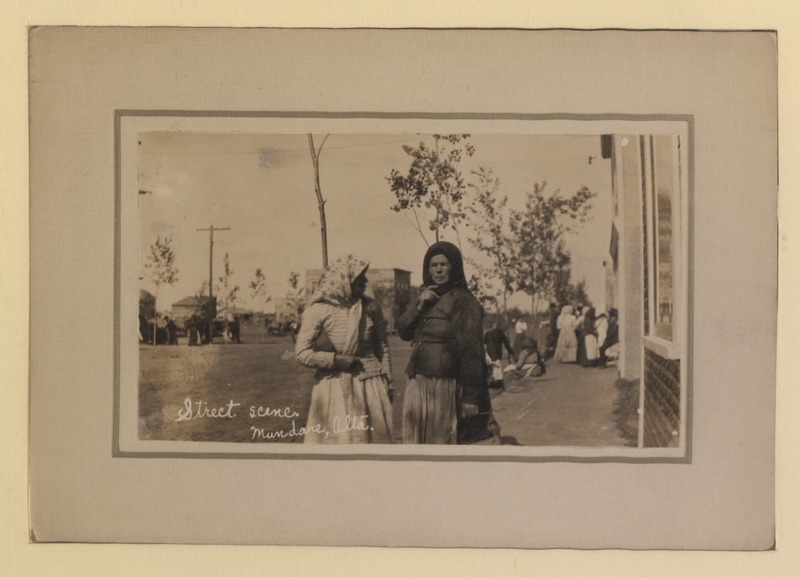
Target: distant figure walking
495, 340
567, 347
520, 327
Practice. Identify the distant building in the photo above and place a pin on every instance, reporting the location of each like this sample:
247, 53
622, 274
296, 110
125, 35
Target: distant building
204, 307
391, 288
287, 309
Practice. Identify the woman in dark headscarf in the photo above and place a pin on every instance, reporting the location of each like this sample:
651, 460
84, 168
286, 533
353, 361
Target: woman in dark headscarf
591, 351
447, 396
342, 335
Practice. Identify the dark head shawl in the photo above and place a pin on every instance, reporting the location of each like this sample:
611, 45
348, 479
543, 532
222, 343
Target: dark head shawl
451, 252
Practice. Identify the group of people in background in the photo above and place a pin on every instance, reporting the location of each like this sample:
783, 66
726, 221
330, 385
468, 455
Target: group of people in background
584, 337
165, 329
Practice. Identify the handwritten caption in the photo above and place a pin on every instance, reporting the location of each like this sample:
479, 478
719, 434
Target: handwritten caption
199, 409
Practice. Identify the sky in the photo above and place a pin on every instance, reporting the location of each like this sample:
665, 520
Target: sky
261, 187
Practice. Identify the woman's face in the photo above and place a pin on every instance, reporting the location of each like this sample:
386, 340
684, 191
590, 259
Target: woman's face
440, 269
358, 286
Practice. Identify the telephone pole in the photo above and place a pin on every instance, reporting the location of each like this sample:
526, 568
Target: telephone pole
211, 230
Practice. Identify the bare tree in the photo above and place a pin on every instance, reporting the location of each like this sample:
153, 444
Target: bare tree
323, 227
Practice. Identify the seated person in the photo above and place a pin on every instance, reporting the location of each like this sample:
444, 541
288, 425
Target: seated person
528, 357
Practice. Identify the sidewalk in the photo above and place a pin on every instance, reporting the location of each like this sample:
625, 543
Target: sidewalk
569, 406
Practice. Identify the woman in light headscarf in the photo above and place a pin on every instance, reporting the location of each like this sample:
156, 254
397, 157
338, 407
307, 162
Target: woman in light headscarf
446, 400
567, 346
343, 336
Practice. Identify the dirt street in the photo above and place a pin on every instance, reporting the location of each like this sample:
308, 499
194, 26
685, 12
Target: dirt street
569, 405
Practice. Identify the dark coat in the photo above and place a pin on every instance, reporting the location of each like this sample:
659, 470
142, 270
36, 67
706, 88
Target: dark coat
495, 340
448, 343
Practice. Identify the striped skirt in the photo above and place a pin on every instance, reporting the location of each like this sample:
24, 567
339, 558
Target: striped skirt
346, 414
430, 411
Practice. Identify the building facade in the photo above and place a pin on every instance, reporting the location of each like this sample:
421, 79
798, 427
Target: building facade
647, 277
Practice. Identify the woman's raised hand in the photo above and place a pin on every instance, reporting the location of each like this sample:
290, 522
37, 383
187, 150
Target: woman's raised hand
426, 298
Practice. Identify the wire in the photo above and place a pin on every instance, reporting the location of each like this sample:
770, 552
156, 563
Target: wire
278, 150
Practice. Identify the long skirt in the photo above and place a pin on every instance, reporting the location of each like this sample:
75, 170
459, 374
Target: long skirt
580, 357
430, 411
567, 347
340, 414
592, 352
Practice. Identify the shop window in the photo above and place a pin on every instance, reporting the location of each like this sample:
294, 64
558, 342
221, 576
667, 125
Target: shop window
663, 212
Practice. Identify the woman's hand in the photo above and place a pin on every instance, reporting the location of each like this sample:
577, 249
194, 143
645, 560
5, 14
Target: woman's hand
345, 362
426, 299
469, 410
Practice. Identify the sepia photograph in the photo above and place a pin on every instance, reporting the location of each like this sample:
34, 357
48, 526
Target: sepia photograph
317, 287
492, 289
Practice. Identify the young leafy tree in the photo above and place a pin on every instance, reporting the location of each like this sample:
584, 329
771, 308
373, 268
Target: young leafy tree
433, 183
160, 267
538, 232
491, 236
484, 291
258, 289
295, 293
227, 291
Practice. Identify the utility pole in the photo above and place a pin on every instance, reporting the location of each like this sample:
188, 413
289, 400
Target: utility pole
211, 230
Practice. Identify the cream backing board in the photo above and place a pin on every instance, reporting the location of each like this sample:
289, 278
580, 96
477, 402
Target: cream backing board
720, 498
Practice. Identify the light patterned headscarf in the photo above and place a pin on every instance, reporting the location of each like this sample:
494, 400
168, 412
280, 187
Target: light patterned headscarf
334, 286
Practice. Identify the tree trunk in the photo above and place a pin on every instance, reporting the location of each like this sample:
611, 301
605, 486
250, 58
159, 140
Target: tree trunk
155, 317
323, 228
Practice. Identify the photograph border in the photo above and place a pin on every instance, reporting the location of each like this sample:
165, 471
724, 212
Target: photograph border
688, 119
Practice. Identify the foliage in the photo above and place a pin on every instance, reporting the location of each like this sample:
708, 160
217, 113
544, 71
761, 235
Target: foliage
160, 266
538, 233
294, 296
488, 221
483, 291
567, 292
227, 291
433, 182
258, 288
